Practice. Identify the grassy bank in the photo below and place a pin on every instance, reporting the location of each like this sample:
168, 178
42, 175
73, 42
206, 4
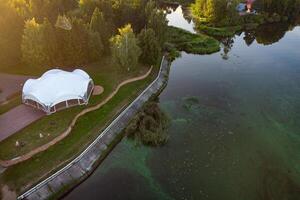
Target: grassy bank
86, 129
103, 73
13, 102
219, 31
192, 43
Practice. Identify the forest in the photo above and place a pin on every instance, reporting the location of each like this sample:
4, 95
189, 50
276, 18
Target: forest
75, 32
224, 12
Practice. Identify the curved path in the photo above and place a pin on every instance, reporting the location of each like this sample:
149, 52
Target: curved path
84, 164
7, 163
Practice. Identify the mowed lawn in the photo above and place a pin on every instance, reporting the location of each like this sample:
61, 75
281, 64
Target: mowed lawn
86, 129
103, 73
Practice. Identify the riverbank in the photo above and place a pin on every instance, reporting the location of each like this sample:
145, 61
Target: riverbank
82, 166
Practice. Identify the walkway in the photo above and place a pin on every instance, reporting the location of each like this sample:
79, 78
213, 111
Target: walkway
16, 119
10, 85
21, 158
85, 163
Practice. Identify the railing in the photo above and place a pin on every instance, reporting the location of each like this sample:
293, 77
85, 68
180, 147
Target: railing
147, 91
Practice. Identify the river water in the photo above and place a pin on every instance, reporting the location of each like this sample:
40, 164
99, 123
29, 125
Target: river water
234, 132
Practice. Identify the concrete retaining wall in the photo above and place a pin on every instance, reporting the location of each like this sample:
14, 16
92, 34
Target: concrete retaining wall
86, 162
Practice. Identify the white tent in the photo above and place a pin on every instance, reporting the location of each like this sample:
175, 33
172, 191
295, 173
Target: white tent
57, 89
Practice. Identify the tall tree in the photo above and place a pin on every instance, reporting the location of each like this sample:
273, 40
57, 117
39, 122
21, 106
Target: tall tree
95, 45
125, 49
33, 44
100, 25
50, 41
11, 25
149, 45
159, 23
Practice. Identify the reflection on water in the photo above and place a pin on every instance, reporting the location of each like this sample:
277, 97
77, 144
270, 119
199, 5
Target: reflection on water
235, 127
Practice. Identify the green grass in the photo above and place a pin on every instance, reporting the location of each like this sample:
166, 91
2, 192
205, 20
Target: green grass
86, 129
15, 101
219, 31
103, 73
192, 43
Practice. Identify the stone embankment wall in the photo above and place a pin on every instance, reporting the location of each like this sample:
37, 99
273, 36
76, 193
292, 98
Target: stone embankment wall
83, 165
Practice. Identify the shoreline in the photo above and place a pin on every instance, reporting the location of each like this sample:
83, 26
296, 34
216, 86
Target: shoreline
80, 168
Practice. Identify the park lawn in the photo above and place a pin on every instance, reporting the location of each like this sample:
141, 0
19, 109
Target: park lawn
192, 43
103, 73
86, 129
15, 101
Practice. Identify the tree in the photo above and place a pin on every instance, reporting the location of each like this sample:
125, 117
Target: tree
12, 26
125, 49
95, 46
33, 44
98, 24
158, 22
87, 6
50, 42
149, 45
21, 7
216, 11
74, 44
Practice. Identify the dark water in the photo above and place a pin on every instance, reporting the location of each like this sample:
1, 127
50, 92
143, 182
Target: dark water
235, 127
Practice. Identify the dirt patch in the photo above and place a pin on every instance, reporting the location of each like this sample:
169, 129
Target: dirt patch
98, 89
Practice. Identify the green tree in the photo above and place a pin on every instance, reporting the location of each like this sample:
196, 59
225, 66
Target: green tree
50, 41
21, 7
88, 6
11, 25
98, 24
33, 44
149, 45
95, 46
158, 22
74, 43
216, 11
125, 49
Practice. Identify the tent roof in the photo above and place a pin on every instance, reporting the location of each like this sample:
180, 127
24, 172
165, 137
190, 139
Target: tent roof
56, 86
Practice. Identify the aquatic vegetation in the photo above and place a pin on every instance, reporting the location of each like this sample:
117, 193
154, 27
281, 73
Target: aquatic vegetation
219, 31
192, 43
190, 102
149, 126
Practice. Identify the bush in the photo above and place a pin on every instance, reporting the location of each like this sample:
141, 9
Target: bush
149, 126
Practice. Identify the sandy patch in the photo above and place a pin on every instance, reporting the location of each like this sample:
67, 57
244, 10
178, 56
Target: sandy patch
98, 89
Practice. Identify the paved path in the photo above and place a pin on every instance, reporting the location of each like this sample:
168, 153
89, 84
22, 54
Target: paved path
8, 163
16, 119
85, 163
10, 84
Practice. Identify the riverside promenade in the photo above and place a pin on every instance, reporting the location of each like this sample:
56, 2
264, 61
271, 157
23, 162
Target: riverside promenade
84, 164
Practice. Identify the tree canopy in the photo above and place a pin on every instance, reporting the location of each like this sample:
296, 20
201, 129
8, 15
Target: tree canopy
125, 49
72, 32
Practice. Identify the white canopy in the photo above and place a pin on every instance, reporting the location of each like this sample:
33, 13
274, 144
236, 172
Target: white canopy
56, 86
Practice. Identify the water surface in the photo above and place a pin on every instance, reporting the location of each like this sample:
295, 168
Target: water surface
235, 126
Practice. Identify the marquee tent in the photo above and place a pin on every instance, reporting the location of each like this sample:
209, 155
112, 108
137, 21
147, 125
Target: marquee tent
57, 89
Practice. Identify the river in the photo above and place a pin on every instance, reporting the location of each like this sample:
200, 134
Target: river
234, 132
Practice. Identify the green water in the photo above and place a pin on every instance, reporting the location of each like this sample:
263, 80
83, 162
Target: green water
235, 127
